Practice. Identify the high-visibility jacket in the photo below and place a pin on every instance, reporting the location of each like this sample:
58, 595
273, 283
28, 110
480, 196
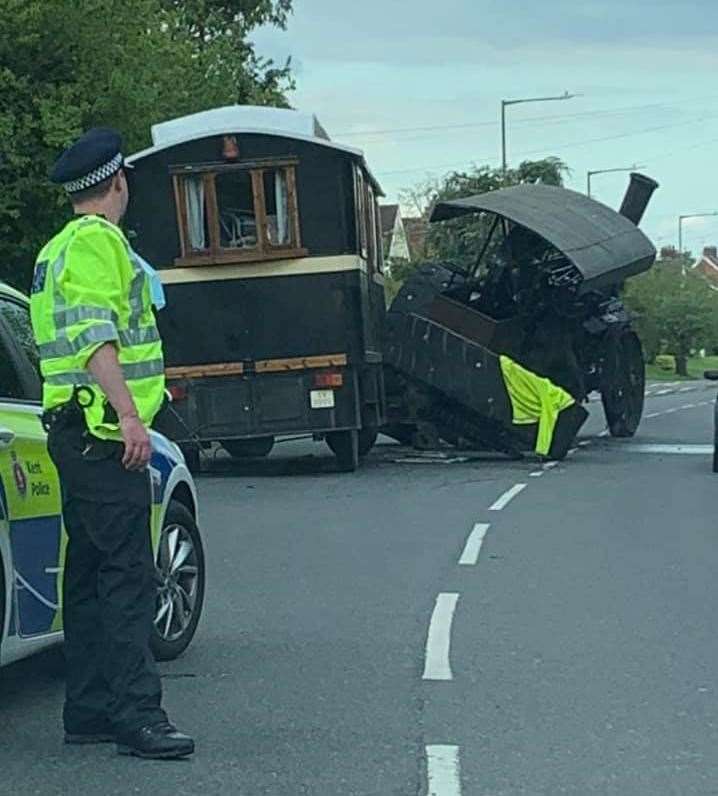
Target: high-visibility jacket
90, 289
534, 399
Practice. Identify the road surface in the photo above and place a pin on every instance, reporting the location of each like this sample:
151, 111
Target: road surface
435, 626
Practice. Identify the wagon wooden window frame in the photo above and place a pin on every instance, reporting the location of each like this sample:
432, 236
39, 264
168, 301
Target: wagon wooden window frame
215, 253
367, 221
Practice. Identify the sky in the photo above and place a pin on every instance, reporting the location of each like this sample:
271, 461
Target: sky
378, 73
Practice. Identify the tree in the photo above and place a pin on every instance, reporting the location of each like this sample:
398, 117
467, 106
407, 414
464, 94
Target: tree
73, 64
218, 31
677, 310
459, 240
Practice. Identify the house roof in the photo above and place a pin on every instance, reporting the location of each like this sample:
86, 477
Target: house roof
710, 256
416, 230
240, 119
388, 217
707, 263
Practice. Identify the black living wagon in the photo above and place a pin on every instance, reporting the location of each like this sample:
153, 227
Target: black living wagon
266, 237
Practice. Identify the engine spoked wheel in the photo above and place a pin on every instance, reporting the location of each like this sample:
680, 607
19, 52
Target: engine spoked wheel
623, 385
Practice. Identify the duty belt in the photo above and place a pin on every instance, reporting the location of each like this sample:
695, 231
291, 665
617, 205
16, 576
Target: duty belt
70, 414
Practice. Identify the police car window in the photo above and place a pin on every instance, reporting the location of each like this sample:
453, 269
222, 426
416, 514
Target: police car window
10, 384
17, 318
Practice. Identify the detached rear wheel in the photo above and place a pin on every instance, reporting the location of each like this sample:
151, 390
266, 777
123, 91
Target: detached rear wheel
367, 439
623, 385
180, 572
192, 457
345, 446
254, 448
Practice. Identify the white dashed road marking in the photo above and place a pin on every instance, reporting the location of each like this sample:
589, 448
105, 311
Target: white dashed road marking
444, 770
507, 497
696, 450
473, 544
437, 665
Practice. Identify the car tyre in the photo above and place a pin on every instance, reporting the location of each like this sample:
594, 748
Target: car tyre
180, 569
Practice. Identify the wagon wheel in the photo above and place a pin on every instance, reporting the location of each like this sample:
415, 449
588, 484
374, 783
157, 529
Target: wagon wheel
623, 384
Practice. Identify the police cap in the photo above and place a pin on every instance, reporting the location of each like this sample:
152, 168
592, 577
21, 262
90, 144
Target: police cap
93, 158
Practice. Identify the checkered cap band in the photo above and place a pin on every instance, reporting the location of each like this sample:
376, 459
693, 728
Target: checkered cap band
96, 176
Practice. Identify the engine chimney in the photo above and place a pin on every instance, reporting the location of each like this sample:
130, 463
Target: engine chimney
637, 197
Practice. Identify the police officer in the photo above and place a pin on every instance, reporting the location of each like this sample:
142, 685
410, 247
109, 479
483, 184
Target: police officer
103, 384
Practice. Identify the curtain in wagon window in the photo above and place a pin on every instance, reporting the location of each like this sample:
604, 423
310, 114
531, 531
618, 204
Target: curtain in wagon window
194, 191
282, 201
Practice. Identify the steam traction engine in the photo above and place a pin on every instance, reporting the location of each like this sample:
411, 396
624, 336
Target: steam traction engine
545, 291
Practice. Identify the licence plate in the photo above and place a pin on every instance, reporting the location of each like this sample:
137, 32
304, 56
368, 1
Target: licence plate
322, 399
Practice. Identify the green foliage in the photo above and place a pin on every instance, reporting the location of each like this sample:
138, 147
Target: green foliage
208, 19
666, 362
68, 65
460, 240
400, 269
391, 287
677, 313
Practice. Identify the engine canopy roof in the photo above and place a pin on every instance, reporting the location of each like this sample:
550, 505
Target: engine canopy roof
603, 245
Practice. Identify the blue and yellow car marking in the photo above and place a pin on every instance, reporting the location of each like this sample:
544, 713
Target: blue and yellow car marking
32, 503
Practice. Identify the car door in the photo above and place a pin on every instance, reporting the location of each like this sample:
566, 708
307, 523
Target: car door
29, 485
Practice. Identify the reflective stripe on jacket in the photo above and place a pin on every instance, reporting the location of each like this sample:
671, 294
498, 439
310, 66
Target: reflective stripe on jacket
90, 289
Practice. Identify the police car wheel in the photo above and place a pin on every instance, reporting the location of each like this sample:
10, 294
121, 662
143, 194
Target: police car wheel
180, 571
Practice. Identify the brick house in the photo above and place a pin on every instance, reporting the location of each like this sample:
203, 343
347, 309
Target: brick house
707, 265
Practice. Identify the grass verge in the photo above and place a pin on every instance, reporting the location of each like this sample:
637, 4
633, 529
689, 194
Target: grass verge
696, 366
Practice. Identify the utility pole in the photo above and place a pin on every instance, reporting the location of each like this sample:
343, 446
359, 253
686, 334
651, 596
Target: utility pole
506, 103
591, 173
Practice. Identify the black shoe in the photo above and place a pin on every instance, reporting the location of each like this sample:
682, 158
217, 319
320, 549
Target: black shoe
89, 737
156, 742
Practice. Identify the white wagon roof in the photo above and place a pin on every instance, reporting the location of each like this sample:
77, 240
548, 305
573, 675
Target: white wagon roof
243, 119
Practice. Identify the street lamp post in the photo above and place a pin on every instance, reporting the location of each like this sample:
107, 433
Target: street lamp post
682, 218
591, 173
506, 103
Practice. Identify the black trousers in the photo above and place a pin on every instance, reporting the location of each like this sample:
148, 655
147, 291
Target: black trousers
108, 587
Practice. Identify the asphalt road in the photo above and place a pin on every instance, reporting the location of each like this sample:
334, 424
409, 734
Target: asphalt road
576, 655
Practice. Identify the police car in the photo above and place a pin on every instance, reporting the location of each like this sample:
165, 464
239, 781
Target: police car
32, 539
